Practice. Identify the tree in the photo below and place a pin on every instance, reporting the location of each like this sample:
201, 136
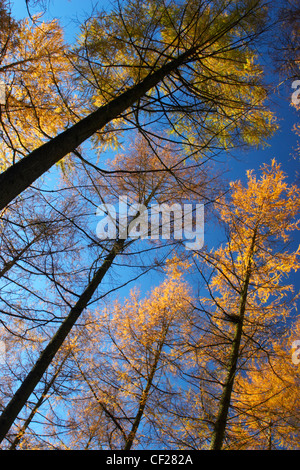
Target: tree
178, 67
286, 51
47, 390
139, 188
184, 77
32, 243
33, 278
247, 289
131, 350
38, 84
269, 399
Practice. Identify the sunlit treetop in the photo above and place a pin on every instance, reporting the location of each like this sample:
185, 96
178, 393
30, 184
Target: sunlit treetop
215, 100
40, 95
259, 217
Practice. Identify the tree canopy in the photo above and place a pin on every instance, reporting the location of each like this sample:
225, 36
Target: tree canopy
149, 214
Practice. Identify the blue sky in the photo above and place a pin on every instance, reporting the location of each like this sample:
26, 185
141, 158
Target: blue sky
281, 146
70, 12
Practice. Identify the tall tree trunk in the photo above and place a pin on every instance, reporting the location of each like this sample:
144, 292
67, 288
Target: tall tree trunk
37, 405
222, 416
21, 175
21, 396
100, 403
144, 397
220, 423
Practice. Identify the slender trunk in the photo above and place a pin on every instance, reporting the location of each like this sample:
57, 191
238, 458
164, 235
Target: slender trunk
220, 424
222, 416
270, 443
144, 397
100, 403
22, 174
10, 264
37, 405
21, 396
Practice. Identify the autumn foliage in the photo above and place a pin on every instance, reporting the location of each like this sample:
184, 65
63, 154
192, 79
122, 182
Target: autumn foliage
129, 343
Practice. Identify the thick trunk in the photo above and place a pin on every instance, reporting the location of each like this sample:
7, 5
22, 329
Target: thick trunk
20, 176
21, 396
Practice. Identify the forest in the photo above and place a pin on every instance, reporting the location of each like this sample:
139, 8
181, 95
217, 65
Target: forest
149, 225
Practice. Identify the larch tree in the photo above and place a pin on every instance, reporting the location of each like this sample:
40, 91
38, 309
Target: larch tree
184, 75
248, 293
194, 71
176, 185
39, 255
40, 96
124, 368
32, 244
24, 434
286, 50
8, 28
269, 415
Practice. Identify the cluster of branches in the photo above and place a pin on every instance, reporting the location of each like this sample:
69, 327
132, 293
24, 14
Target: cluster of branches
174, 84
171, 368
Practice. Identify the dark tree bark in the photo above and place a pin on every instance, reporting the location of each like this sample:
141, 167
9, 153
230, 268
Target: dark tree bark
143, 400
21, 396
224, 405
22, 174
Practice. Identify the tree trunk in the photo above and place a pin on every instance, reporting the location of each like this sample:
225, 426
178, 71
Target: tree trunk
21, 396
21, 175
222, 416
37, 405
220, 424
144, 397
